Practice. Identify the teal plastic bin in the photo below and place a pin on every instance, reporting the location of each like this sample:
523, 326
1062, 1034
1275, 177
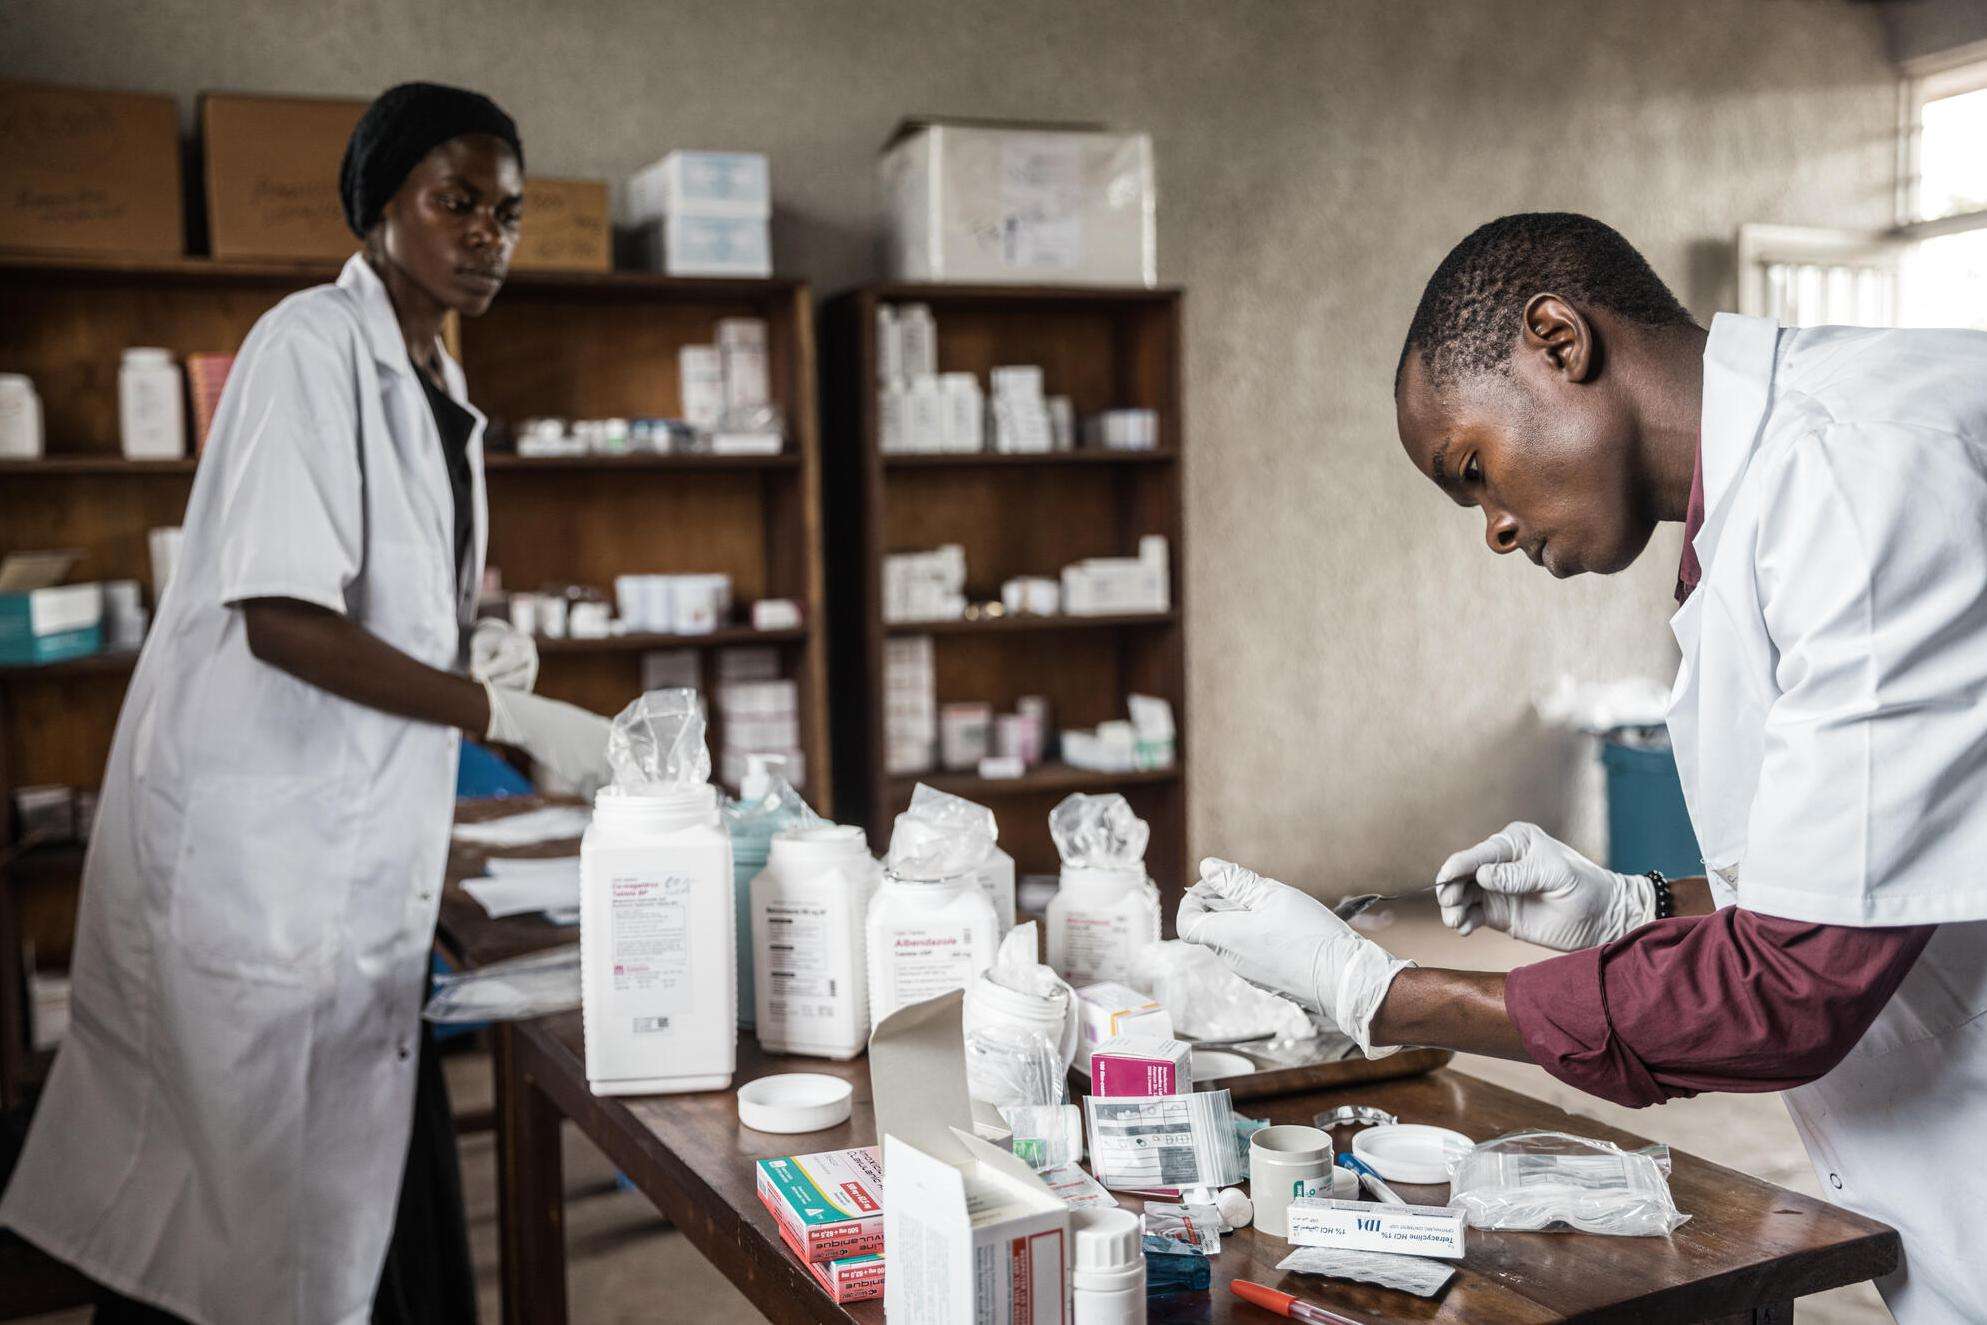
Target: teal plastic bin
1648, 824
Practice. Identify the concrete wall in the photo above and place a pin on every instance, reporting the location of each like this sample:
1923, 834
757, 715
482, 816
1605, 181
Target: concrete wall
1362, 668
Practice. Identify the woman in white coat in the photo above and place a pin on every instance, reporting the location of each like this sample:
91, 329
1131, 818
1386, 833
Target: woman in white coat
1827, 718
226, 1129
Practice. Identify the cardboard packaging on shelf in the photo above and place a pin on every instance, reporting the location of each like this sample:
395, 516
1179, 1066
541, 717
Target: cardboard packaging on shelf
565, 226
269, 167
89, 171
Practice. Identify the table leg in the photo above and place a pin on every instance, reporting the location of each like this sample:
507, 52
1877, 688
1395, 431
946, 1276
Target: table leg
1773, 1313
530, 1193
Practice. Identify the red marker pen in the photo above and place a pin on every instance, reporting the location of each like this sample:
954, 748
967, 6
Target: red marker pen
1283, 1304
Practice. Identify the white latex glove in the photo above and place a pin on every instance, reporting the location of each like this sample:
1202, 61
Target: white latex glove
1288, 942
1538, 889
502, 655
567, 744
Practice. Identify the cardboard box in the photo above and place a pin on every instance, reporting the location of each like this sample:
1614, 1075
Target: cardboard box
828, 1205
565, 226
972, 1234
1141, 1065
43, 620
689, 183
269, 166
1108, 1009
846, 1278
87, 171
1418, 1230
1007, 202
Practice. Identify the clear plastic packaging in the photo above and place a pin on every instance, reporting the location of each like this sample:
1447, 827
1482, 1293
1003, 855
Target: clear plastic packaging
515, 990
940, 836
1045, 1136
1141, 1142
1166, 1272
1410, 1274
1019, 991
1098, 832
1557, 1182
1010, 1066
1210, 1002
1182, 1230
658, 742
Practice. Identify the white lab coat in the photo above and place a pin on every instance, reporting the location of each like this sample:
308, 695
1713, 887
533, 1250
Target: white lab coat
226, 1125
1830, 724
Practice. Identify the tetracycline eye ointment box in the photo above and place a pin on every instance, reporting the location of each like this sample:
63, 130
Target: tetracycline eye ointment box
1420, 1230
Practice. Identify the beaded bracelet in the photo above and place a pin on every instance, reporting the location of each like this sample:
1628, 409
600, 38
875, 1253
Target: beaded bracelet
1666, 905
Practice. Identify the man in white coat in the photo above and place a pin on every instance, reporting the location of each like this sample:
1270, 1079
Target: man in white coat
1829, 719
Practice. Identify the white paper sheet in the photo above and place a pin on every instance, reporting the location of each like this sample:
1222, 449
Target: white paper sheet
517, 892
550, 823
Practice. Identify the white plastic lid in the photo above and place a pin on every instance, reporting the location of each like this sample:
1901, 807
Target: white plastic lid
147, 356
1105, 1239
795, 1102
16, 380
1409, 1152
820, 842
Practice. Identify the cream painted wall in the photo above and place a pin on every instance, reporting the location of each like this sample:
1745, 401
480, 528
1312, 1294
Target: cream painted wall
1361, 669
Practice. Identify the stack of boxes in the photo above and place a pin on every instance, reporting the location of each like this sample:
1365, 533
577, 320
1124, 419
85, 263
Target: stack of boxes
829, 1209
925, 586
1021, 424
726, 390
910, 705
702, 214
758, 713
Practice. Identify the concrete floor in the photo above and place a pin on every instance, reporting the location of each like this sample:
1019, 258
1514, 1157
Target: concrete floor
624, 1263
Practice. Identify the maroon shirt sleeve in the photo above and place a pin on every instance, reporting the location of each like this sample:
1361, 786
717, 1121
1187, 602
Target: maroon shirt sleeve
1733, 1001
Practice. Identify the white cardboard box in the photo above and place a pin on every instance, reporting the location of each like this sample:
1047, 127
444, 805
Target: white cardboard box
970, 1233
1419, 1230
1018, 203
1108, 1010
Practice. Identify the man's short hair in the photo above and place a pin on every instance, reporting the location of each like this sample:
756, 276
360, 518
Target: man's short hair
1468, 319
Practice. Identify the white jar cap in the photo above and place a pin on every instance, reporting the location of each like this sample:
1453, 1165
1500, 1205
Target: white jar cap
1105, 1239
145, 356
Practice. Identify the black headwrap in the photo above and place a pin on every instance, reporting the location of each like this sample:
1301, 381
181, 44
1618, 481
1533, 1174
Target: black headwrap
405, 124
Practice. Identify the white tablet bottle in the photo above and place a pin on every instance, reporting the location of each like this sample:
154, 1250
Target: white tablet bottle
809, 911
1098, 920
926, 937
151, 405
1107, 1274
658, 967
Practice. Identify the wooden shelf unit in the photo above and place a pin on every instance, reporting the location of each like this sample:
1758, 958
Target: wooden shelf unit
1015, 515
578, 346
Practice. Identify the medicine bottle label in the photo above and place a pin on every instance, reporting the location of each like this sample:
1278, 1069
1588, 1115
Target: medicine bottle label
808, 964
648, 926
1098, 945
924, 963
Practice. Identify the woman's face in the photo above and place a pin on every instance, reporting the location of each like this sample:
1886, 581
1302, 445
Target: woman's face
454, 223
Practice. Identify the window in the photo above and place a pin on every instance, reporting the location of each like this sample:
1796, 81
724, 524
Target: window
1928, 270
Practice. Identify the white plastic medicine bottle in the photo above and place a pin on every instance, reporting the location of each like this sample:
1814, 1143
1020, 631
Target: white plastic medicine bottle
1107, 1277
809, 943
926, 938
1098, 920
659, 977
151, 405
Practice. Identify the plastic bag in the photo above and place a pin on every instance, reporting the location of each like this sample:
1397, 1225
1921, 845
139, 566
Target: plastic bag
1098, 832
1553, 1181
941, 836
1210, 1002
1011, 1065
1141, 1142
658, 741
1015, 970
1045, 1136
1181, 1230
514, 990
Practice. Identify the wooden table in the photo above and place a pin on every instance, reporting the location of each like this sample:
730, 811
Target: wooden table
1749, 1250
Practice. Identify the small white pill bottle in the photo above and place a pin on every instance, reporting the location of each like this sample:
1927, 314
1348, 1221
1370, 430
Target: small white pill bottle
1107, 1273
930, 927
809, 911
1106, 909
151, 405
658, 969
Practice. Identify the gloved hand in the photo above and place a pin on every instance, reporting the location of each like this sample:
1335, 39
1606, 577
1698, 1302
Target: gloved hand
503, 655
1288, 942
1535, 888
567, 744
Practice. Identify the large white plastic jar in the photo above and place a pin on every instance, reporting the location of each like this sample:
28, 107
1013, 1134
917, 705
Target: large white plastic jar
151, 410
926, 938
658, 969
1098, 920
809, 909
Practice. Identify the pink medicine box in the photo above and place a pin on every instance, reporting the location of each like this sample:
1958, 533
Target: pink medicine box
1141, 1065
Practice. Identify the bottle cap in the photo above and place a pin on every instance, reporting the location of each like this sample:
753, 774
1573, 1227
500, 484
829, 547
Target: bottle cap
1105, 1239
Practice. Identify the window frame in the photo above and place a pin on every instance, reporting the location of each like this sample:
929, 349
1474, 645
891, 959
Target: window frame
1930, 78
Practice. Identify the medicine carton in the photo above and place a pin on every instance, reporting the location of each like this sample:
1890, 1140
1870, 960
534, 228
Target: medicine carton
844, 1279
1141, 1065
1109, 1009
972, 1234
828, 1205
49, 623
1418, 1230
